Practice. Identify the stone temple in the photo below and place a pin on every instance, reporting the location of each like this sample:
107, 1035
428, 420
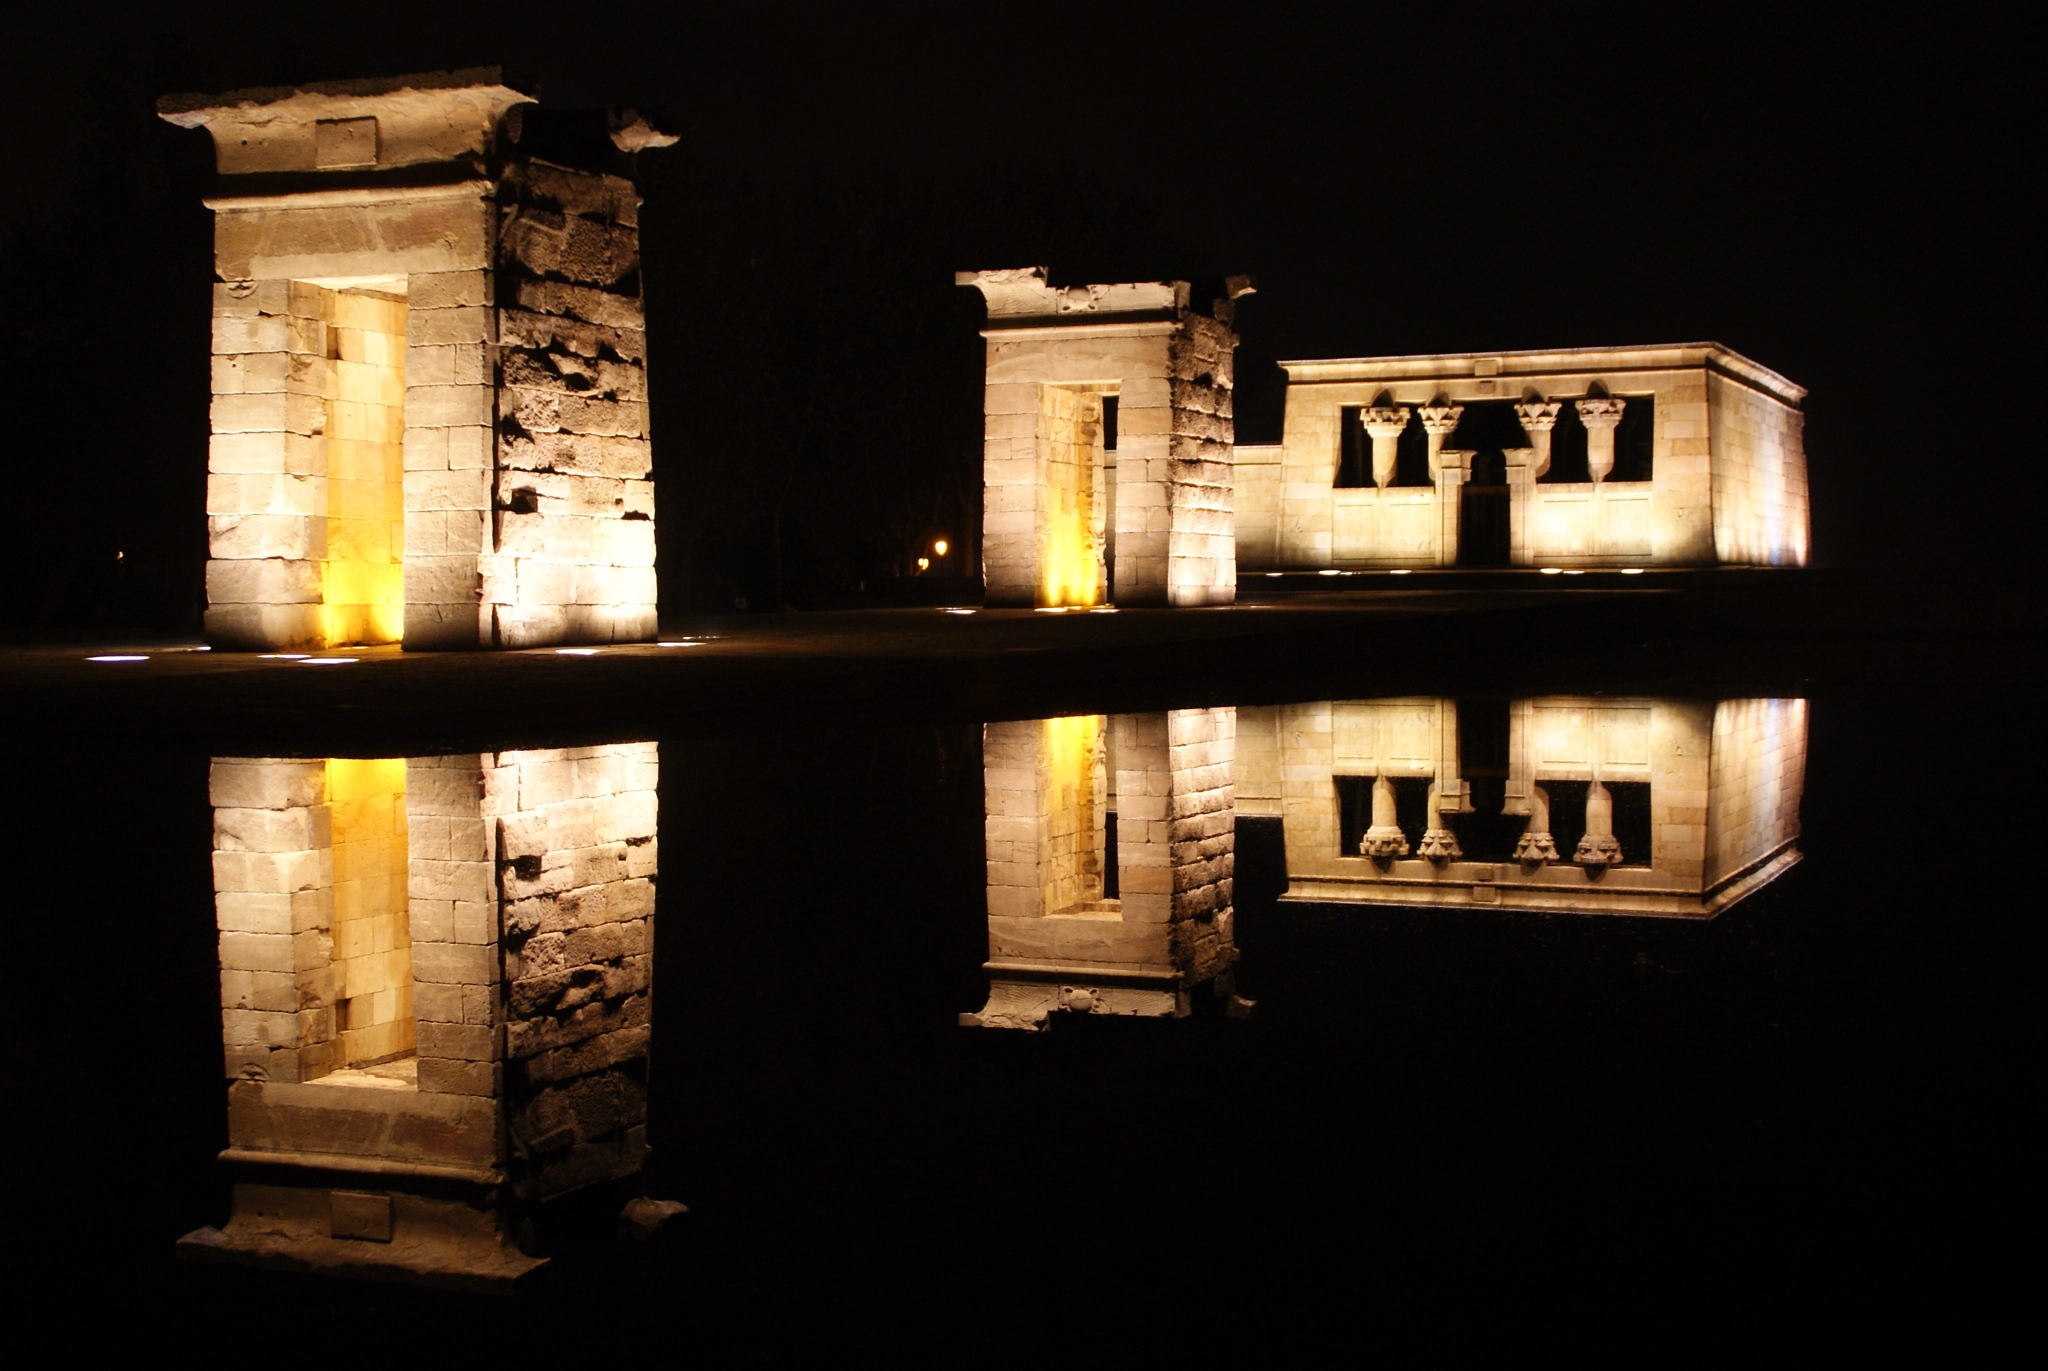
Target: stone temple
429, 368
1112, 473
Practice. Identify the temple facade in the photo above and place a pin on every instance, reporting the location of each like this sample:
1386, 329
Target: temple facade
1685, 455
1564, 804
1112, 473
429, 368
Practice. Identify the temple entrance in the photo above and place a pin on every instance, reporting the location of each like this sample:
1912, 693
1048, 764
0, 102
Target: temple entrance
363, 385
1483, 530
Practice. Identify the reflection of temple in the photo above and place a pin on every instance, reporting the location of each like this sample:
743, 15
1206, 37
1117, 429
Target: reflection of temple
1111, 846
435, 977
1596, 805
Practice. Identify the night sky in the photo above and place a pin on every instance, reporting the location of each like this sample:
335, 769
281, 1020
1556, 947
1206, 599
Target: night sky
1834, 194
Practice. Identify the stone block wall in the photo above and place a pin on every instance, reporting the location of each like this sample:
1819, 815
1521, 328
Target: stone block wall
1255, 478
1176, 824
574, 499
575, 833
1054, 942
1760, 493
519, 503
523, 983
1170, 366
1751, 811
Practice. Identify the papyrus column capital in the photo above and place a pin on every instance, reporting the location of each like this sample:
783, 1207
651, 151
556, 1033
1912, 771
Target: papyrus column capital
1600, 413
1538, 416
1439, 420
1385, 421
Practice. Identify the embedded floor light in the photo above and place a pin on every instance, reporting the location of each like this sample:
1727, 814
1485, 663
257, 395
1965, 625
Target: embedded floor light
325, 661
956, 611
1400, 571
1552, 570
282, 656
1329, 571
1574, 571
1631, 571
575, 652
1276, 573
118, 657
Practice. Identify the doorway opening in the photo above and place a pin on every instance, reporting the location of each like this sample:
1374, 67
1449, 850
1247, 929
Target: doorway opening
371, 962
363, 385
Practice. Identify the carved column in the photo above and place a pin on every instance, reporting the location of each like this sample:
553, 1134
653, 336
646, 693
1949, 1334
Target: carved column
1538, 418
1600, 416
1536, 846
1453, 466
1438, 421
1383, 841
1439, 844
1384, 423
1598, 850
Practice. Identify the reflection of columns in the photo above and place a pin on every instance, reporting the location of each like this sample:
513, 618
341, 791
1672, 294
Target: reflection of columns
1439, 844
1384, 423
1438, 421
1536, 846
1538, 418
1598, 849
1383, 841
1600, 416
1453, 466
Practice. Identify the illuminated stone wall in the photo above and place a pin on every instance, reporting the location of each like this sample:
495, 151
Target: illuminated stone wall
1759, 455
503, 450
1727, 482
1743, 758
1759, 778
435, 974
1168, 359
1055, 942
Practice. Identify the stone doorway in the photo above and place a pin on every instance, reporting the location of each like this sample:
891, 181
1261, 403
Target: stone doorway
1483, 513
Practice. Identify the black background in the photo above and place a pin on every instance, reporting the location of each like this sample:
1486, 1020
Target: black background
1834, 193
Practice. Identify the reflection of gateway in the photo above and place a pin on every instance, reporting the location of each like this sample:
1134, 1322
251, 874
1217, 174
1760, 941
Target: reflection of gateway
435, 977
1111, 846
1565, 803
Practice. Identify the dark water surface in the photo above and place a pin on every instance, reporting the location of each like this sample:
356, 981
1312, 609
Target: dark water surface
1797, 1114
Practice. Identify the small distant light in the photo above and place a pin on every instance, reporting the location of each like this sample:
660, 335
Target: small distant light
1400, 571
1631, 571
282, 656
1552, 570
120, 556
940, 547
575, 652
117, 657
1327, 572
924, 564
324, 661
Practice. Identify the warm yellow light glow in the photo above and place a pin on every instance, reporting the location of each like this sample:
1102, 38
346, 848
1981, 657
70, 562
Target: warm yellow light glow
371, 928
1402, 571
1327, 572
924, 564
1552, 570
940, 547
363, 586
1631, 571
575, 652
117, 658
1070, 562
